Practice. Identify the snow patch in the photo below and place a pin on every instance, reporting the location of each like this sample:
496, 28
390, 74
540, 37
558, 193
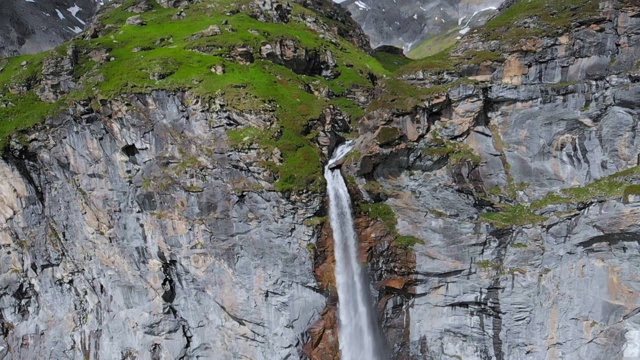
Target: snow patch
362, 5
74, 10
60, 15
631, 349
474, 14
75, 29
31, 1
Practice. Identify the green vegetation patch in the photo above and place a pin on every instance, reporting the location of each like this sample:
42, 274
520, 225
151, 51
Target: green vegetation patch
551, 16
384, 213
315, 221
434, 45
629, 191
612, 186
488, 265
517, 215
618, 185
302, 170
404, 96
19, 112
438, 62
391, 62
407, 241
476, 57
174, 54
387, 135
240, 138
20, 108
456, 151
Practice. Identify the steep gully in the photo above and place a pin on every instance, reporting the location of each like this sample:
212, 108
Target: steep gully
359, 337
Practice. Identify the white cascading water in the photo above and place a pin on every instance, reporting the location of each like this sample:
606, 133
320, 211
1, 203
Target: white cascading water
358, 330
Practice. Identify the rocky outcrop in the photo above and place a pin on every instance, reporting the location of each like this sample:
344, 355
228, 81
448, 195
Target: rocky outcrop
57, 75
300, 60
344, 25
135, 231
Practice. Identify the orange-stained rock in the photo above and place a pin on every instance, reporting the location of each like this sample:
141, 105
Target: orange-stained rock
514, 69
325, 260
397, 283
324, 337
394, 278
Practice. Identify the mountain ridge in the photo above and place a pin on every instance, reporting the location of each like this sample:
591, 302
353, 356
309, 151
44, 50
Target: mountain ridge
33, 26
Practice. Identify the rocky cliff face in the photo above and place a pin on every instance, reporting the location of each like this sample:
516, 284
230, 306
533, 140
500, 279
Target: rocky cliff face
519, 181
133, 232
37, 25
169, 206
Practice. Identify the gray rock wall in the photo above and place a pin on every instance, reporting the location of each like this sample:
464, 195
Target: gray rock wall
135, 232
559, 116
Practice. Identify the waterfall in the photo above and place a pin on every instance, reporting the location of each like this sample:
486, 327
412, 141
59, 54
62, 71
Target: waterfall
359, 336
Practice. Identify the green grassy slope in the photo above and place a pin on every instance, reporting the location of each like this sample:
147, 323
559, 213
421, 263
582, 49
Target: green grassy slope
164, 54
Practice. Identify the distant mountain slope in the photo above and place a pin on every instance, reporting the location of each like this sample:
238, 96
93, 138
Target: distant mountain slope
30, 26
407, 23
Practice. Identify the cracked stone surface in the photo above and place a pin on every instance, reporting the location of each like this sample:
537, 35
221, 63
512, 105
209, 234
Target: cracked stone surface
134, 232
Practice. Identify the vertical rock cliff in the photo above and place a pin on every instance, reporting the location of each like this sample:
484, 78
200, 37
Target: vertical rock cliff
516, 172
134, 231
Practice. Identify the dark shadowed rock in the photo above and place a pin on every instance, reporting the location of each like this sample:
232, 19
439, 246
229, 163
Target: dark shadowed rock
32, 26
